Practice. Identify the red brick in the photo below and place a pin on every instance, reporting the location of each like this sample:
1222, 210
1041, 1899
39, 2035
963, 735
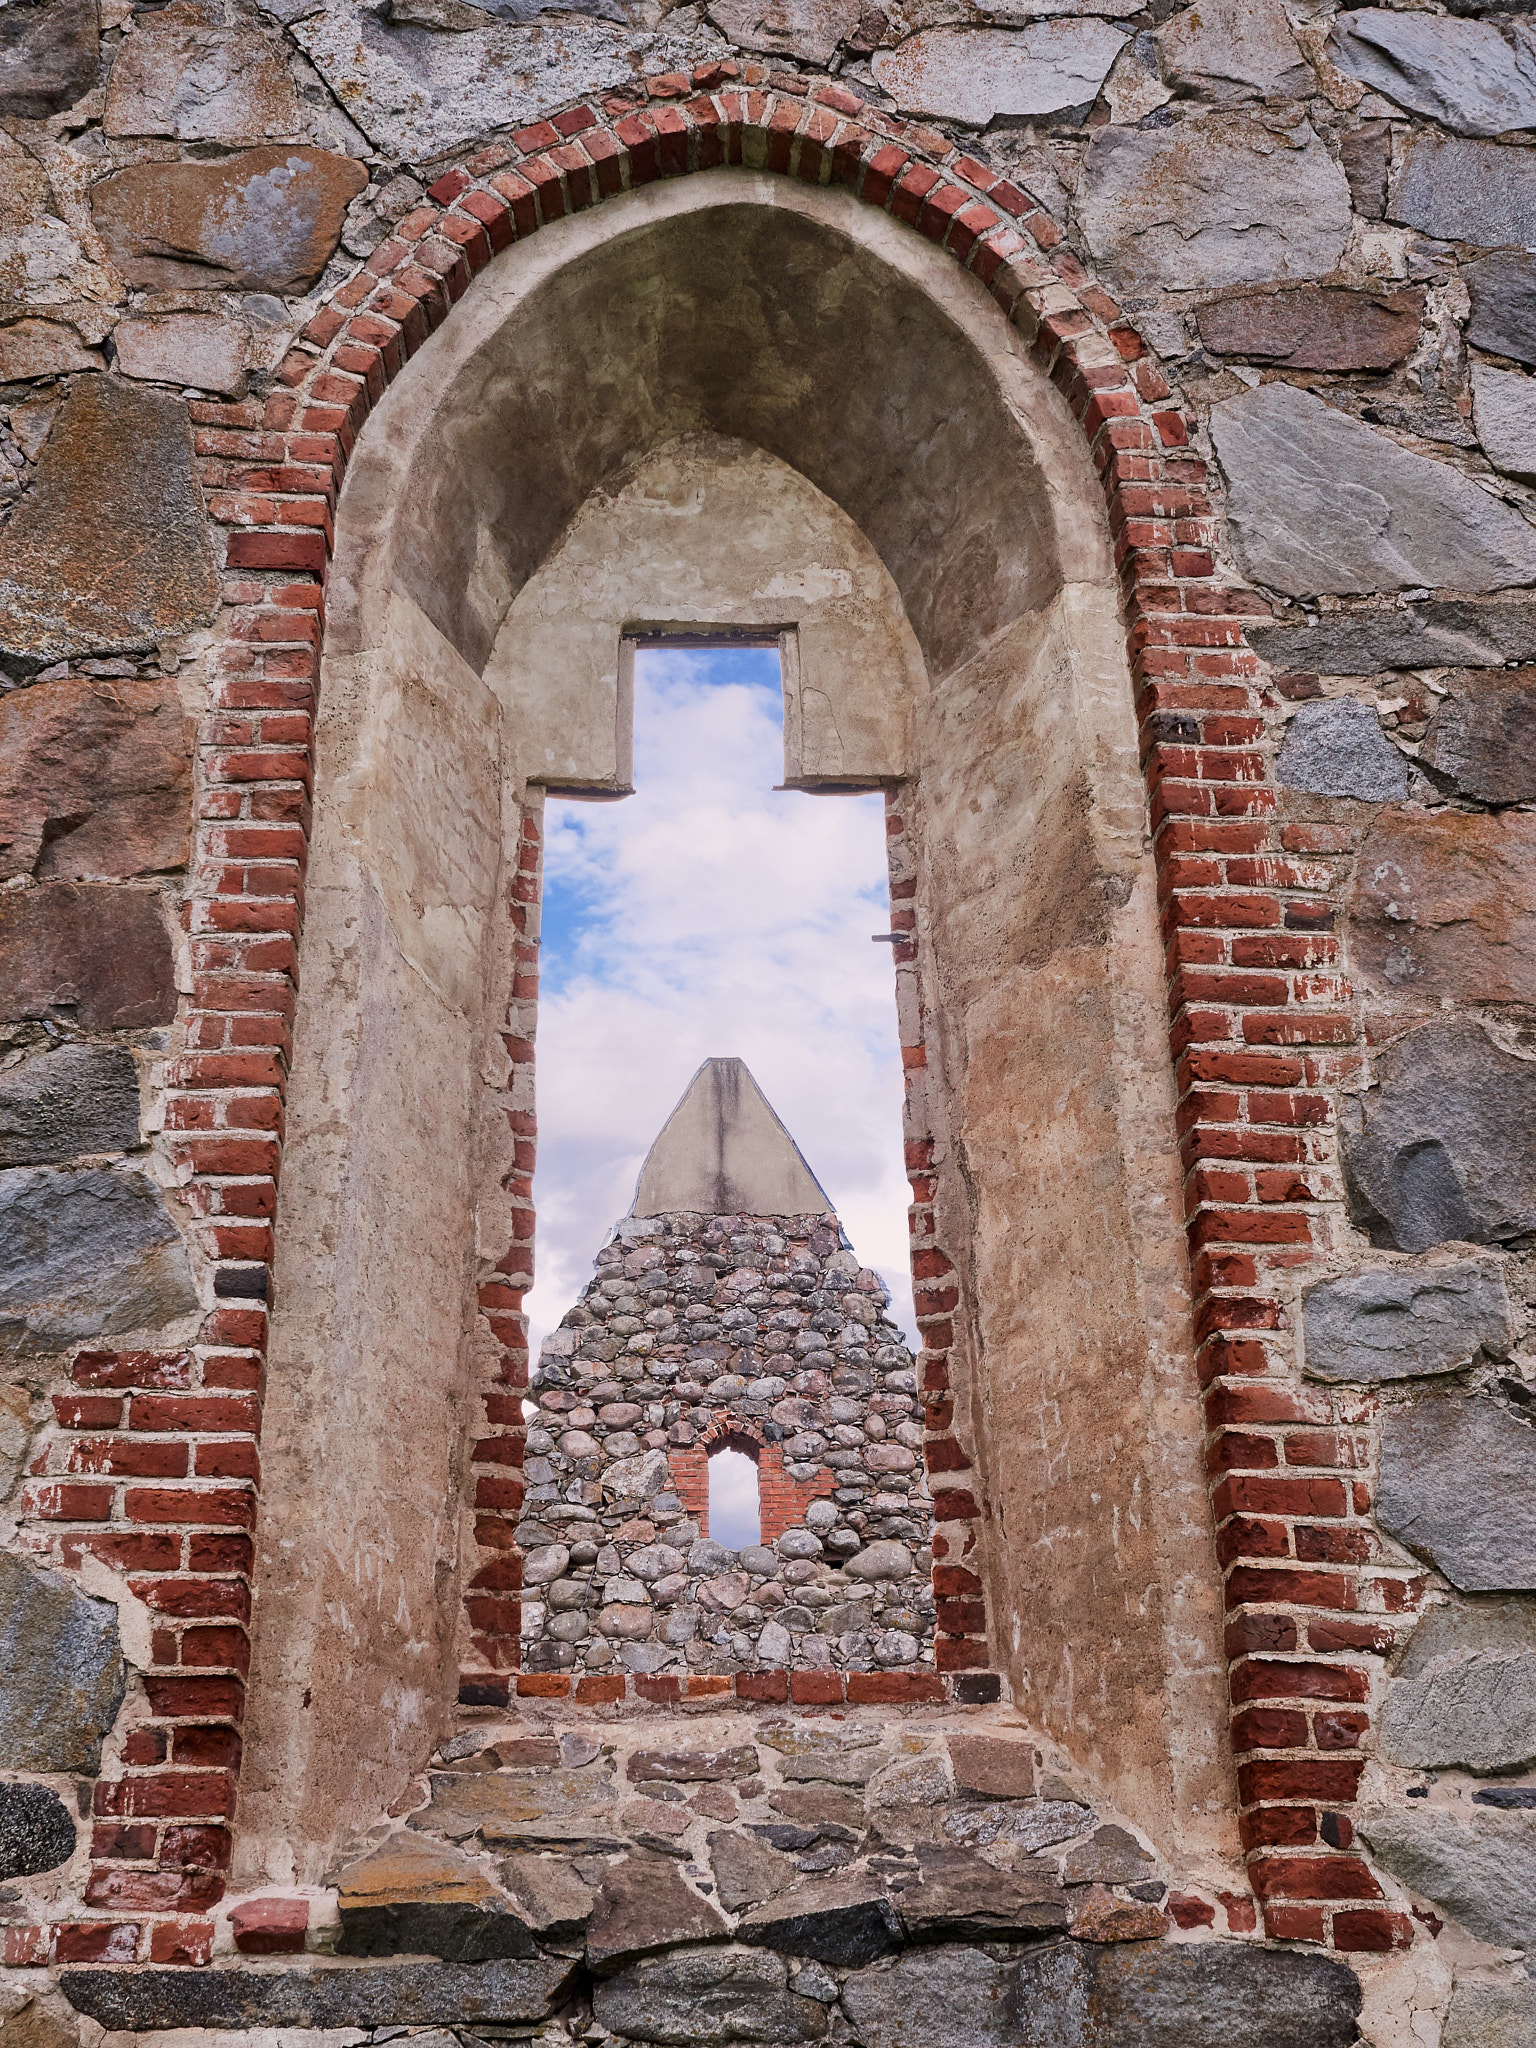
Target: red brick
1312, 1877
762, 1685
1366, 1929
816, 1688
893, 1688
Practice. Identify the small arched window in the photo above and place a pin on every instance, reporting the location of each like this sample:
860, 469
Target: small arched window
734, 1513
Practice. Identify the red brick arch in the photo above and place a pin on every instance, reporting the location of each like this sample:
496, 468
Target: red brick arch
1261, 1024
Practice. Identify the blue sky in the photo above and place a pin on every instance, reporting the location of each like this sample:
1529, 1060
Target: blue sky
705, 915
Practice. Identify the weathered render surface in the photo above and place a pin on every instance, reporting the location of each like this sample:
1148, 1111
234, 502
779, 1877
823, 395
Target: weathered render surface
1271, 278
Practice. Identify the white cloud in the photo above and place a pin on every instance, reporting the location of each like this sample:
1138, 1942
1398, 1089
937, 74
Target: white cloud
708, 915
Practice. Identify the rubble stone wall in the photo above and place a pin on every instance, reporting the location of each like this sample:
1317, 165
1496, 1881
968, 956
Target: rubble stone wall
757, 1332
1279, 261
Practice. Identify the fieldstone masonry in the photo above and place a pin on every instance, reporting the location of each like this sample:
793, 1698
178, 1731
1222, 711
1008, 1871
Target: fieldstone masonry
1276, 268
699, 1332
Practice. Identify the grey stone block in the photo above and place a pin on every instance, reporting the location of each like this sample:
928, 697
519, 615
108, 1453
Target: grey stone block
395, 1994
1482, 740
1218, 199
1133, 1995
1465, 191
62, 1669
417, 95
1491, 2016
938, 1998
50, 51
976, 74
1231, 51
1435, 633
644, 1905
1466, 1693
1401, 1322
728, 1994
1158, 1995
1504, 409
1478, 1866
1319, 503
1462, 73
84, 1252
1458, 1487
81, 1098
1338, 748
1503, 292
37, 1831
844, 1921
959, 1897
1444, 1147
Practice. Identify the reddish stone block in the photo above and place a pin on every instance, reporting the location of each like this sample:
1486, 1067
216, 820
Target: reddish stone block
270, 1927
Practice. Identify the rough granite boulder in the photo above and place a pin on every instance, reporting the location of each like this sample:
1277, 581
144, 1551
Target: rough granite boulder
1161, 1995
724, 1994
86, 1252
37, 1830
1491, 2016
808, 29
418, 94
1476, 1864
265, 220
56, 1105
1319, 503
1338, 748
1228, 51
81, 569
644, 1904
1443, 1148
1218, 199
49, 54
1315, 330
1403, 1322
201, 84
1503, 293
934, 1998
1464, 74
1465, 191
844, 1921
1482, 739
1444, 904
1465, 1697
64, 1672
1504, 408
95, 779
1432, 633
975, 75
1458, 1487
95, 958
960, 1897
204, 350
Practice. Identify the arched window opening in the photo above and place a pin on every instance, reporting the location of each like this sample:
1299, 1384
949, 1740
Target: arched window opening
735, 1518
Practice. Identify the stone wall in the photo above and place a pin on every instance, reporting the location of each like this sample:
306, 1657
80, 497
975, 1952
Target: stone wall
1277, 254
759, 1333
